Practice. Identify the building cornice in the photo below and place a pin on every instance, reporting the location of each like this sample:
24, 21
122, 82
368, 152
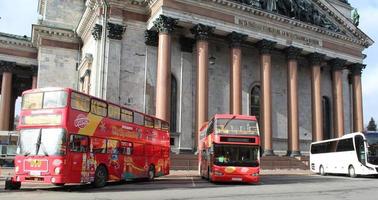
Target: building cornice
63, 35
88, 19
293, 22
21, 41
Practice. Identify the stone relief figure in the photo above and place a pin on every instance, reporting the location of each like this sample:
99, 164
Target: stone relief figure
355, 17
270, 5
303, 10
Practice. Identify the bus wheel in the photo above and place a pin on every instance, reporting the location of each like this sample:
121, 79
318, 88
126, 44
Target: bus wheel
151, 173
321, 170
209, 176
352, 172
12, 185
101, 176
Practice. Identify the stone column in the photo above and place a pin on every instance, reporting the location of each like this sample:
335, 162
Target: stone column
6, 94
316, 96
235, 40
202, 33
358, 121
34, 77
265, 47
165, 26
337, 94
292, 101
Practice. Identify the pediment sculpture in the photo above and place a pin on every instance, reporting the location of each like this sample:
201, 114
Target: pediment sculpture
303, 10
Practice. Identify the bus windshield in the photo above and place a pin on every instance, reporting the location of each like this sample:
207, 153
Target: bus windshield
236, 155
39, 100
236, 126
372, 140
45, 142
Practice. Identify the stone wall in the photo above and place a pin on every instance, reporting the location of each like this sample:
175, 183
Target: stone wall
62, 14
57, 67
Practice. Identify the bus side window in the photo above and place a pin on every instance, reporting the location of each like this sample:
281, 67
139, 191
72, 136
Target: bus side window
112, 147
98, 145
126, 148
78, 143
211, 128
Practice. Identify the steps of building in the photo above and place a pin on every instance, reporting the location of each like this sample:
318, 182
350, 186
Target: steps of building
190, 162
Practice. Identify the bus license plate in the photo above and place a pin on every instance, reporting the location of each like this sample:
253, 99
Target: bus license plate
35, 173
236, 179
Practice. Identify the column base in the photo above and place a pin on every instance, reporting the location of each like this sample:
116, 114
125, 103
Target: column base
295, 153
268, 152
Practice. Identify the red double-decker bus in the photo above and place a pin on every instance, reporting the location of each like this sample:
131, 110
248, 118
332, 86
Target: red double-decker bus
229, 149
70, 137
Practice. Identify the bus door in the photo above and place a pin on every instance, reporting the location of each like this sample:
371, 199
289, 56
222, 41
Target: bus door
79, 146
115, 166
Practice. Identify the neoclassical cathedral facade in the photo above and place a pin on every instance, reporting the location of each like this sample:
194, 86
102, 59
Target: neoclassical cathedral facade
294, 64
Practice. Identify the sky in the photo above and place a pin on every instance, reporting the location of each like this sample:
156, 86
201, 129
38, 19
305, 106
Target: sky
18, 15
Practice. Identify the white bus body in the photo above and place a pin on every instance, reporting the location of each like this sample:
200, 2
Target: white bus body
353, 154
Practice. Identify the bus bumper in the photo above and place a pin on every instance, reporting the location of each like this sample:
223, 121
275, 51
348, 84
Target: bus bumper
236, 178
39, 179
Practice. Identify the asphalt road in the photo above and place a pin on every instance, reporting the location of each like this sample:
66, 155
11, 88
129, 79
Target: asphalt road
291, 187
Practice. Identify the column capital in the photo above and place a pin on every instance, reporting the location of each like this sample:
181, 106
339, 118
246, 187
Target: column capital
235, 39
6, 66
115, 31
151, 38
202, 32
97, 31
337, 64
187, 44
293, 53
316, 58
165, 24
265, 46
356, 69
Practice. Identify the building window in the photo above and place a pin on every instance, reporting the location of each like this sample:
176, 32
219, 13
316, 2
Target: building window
172, 141
255, 102
326, 108
173, 104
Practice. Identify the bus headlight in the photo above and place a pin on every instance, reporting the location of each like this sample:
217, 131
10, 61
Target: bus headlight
216, 173
57, 170
16, 169
254, 174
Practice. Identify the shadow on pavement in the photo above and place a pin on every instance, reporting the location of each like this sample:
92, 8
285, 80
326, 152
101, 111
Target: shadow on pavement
170, 183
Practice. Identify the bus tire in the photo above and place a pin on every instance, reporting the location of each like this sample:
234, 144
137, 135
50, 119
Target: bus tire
209, 175
352, 172
12, 185
59, 184
321, 170
151, 173
101, 176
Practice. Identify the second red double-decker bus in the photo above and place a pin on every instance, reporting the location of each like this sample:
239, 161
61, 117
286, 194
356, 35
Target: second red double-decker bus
229, 149
70, 137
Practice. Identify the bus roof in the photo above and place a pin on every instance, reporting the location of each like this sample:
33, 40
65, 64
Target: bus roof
228, 116
349, 135
45, 89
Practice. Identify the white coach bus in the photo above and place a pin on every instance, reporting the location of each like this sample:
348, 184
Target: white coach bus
353, 154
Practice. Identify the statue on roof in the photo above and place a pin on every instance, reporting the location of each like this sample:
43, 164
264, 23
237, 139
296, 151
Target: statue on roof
355, 17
